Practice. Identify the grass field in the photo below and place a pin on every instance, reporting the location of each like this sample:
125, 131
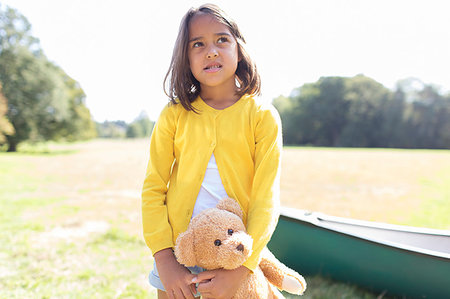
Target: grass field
409, 187
70, 222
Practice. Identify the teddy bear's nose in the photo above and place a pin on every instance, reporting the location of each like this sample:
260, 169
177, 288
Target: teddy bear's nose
240, 247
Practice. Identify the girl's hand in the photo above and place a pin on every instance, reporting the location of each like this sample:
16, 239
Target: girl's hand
176, 279
220, 284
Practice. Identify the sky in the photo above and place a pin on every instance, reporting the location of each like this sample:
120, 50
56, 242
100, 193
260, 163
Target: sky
119, 51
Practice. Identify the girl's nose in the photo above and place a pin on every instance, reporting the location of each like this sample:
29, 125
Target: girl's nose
212, 53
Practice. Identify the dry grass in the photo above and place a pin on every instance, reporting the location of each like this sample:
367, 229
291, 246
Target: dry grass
104, 178
102, 181
379, 185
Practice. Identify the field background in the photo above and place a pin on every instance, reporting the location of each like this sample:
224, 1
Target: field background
70, 220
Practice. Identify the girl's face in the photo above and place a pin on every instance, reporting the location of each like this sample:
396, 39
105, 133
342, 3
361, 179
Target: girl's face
213, 52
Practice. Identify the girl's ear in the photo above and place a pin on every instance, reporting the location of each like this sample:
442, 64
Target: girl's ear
184, 249
230, 205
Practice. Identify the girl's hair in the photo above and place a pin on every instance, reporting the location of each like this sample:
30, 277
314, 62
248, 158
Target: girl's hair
182, 83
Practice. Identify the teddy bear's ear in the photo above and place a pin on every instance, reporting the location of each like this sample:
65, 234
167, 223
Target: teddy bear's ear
184, 249
230, 205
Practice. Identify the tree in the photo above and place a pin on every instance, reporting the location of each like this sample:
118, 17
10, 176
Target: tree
44, 103
392, 127
142, 126
285, 107
5, 126
112, 129
79, 125
16, 30
429, 116
315, 113
37, 99
332, 107
303, 126
365, 119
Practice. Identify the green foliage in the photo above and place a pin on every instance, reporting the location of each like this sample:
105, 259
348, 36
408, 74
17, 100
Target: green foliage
427, 117
134, 130
5, 126
44, 103
360, 112
142, 126
112, 129
15, 29
364, 121
79, 125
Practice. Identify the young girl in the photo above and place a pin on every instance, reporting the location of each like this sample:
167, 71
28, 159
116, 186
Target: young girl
212, 140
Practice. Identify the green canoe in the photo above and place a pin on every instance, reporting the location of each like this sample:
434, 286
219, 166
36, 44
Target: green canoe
399, 260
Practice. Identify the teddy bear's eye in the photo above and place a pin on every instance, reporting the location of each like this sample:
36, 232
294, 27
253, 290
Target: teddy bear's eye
217, 242
230, 231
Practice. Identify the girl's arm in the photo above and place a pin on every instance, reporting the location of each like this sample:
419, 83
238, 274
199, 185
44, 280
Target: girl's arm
263, 210
157, 230
176, 279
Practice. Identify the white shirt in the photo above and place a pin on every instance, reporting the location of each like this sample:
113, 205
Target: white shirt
211, 190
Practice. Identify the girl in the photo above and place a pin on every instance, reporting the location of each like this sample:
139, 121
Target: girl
212, 140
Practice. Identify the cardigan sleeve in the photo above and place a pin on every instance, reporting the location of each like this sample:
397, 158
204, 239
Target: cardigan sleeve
157, 230
263, 210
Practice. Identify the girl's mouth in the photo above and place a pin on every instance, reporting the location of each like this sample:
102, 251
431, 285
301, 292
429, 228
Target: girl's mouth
212, 68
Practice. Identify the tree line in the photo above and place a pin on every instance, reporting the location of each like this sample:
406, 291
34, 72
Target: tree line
360, 112
142, 126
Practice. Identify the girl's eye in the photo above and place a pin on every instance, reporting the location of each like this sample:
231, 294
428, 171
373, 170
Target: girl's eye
230, 231
197, 44
217, 242
222, 40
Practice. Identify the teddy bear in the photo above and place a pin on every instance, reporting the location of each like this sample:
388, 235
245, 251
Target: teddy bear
216, 238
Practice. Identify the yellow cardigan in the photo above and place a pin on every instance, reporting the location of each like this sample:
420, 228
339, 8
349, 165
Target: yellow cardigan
246, 141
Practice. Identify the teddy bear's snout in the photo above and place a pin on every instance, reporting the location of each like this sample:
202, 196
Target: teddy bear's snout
240, 243
235, 250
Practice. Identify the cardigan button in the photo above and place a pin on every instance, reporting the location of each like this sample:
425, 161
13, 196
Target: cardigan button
213, 144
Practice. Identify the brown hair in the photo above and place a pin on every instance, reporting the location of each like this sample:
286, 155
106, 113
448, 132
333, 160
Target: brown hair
183, 87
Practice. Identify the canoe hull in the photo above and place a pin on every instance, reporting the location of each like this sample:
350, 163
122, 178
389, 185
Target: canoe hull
311, 250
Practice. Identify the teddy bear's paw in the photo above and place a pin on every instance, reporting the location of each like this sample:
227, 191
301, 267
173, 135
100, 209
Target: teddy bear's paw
294, 285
